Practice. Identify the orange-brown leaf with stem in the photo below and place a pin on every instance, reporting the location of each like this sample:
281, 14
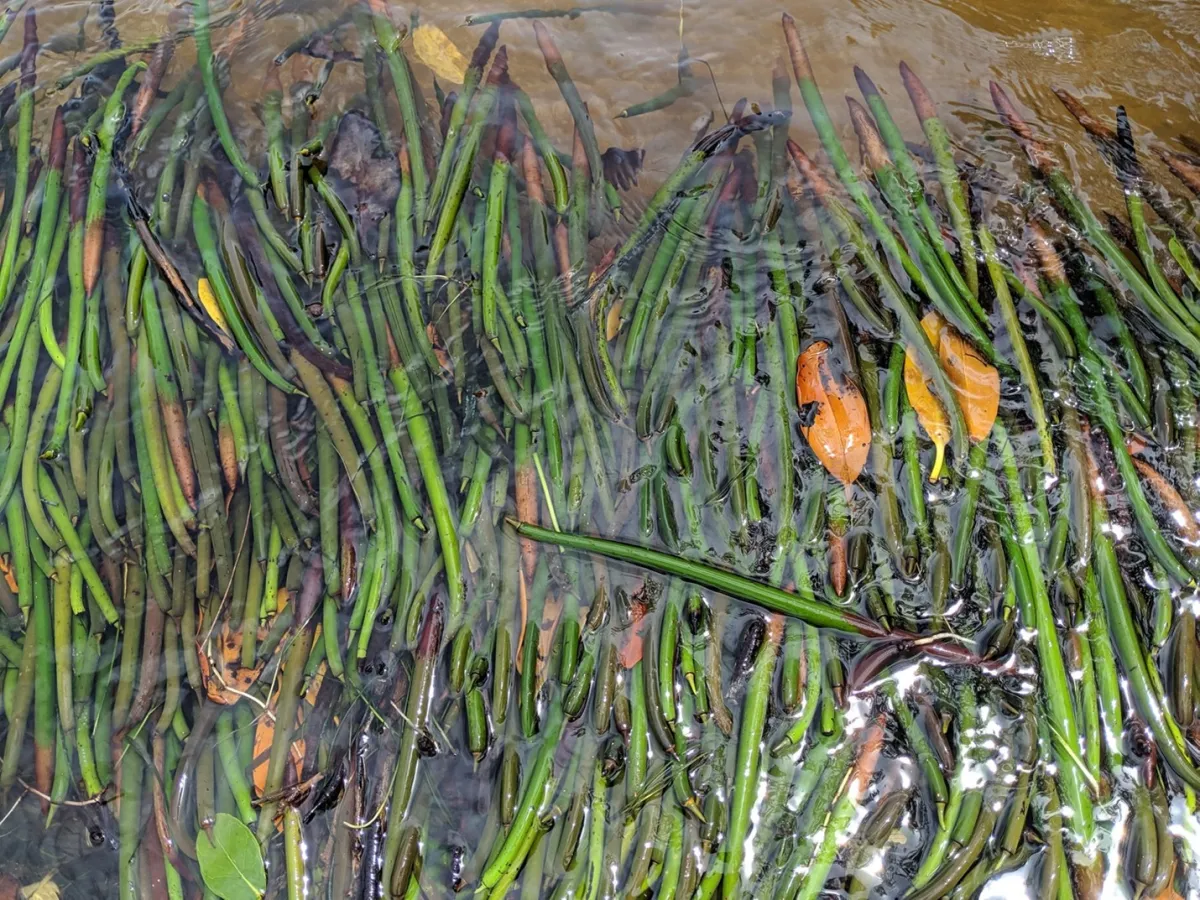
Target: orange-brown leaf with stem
976, 381
839, 427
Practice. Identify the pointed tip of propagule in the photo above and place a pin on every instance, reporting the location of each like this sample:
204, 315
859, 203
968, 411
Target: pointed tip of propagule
499, 70
799, 56
58, 141
546, 44
29, 51
865, 84
869, 141
921, 100
779, 72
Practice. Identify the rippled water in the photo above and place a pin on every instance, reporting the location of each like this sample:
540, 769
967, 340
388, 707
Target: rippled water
1142, 55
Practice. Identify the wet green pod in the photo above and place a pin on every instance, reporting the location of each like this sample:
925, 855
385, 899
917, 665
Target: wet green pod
477, 724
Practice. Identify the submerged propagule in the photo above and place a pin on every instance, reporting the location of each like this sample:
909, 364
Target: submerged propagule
388, 511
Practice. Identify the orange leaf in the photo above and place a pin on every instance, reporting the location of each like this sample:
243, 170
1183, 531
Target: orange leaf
632, 644
225, 680
9, 576
264, 735
976, 381
839, 428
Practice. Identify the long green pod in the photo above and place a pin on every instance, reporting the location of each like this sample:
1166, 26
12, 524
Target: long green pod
460, 175
958, 307
811, 94
206, 244
914, 189
389, 41
1094, 377
416, 716
1029, 375
497, 195
1055, 684
212, 88
1130, 653
583, 122
767, 596
1081, 214
28, 82
40, 271
291, 680
326, 405
458, 116
421, 435
272, 109
546, 150
749, 756
947, 169
97, 205
376, 388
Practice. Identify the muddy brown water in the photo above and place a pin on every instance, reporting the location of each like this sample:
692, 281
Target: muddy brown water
1143, 55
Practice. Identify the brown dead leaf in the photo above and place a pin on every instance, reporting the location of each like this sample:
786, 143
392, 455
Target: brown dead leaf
264, 735
839, 427
264, 731
439, 351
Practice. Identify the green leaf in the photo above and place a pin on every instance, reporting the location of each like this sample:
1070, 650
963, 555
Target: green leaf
231, 861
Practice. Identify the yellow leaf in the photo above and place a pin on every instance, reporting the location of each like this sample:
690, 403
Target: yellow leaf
437, 51
976, 385
43, 890
612, 323
839, 429
928, 408
209, 301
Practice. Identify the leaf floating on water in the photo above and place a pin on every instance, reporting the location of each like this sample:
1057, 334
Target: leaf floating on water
231, 862
437, 51
836, 423
928, 408
975, 381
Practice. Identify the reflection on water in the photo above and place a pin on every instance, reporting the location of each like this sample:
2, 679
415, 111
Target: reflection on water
872, 791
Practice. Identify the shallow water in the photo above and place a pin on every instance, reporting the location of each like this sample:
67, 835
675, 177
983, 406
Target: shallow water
1144, 56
